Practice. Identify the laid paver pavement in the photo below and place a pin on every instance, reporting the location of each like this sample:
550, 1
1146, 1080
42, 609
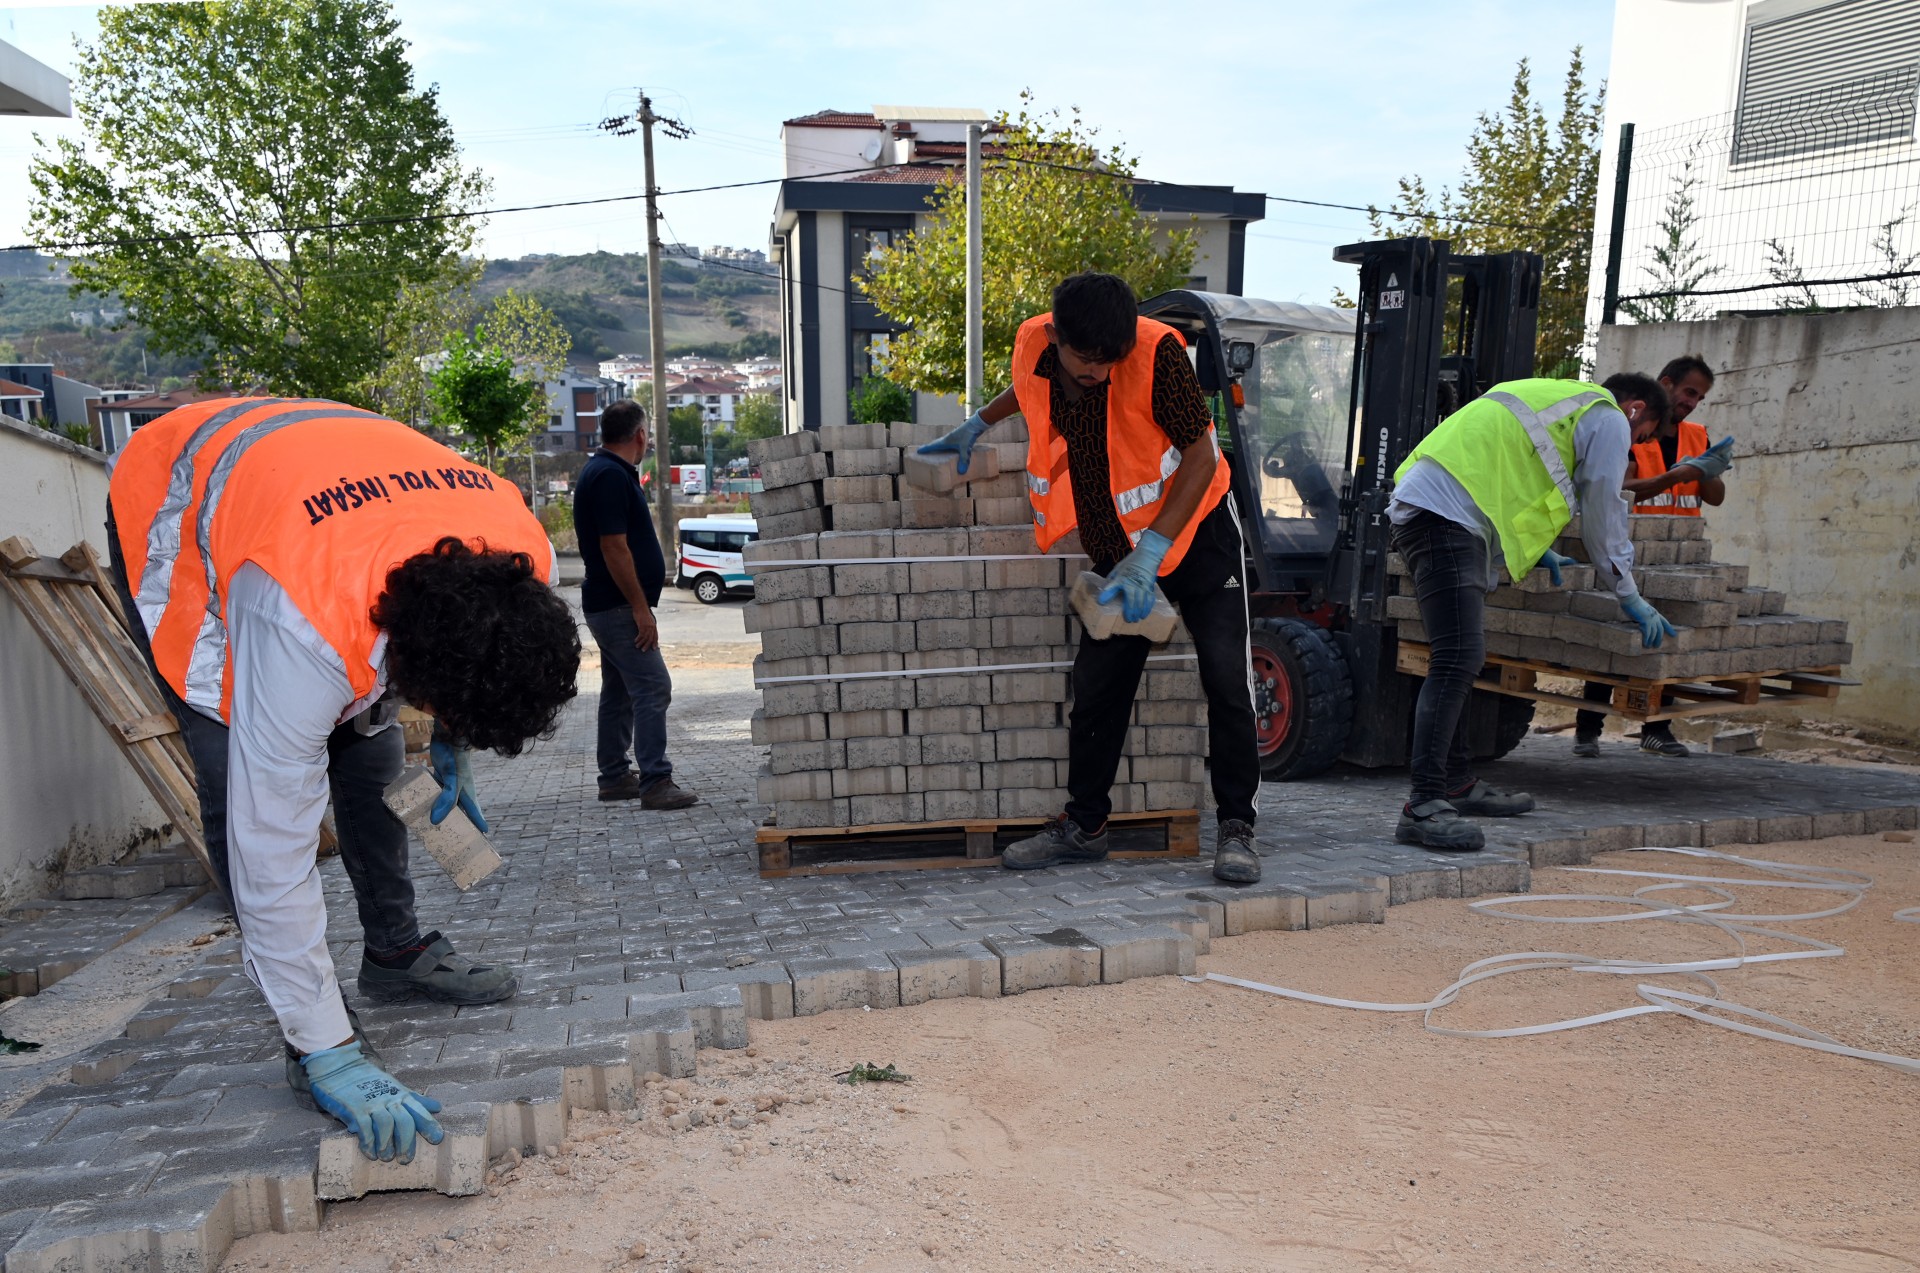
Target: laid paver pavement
642, 936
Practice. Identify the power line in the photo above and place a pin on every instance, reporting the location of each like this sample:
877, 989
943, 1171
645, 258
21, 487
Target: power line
1770, 287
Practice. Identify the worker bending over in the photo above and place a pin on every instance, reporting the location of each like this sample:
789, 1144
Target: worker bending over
1671, 473
295, 570
1121, 445
1502, 477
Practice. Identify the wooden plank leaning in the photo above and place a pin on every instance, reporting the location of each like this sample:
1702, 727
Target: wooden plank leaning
69, 603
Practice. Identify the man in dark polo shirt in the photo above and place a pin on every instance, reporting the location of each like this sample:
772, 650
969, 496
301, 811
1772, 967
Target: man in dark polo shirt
625, 572
1144, 482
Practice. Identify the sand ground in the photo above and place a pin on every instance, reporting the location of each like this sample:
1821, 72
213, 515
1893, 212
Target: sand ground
1162, 1125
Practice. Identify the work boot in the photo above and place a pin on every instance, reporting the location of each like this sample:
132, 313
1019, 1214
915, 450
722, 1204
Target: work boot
1589, 748
297, 1073
664, 795
1060, 840
1437, 825
435, 972
1478, 799
625, 787
1663, 744
1234, 861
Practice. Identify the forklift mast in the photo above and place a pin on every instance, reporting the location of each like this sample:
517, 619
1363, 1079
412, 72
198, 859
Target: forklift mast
1408, 376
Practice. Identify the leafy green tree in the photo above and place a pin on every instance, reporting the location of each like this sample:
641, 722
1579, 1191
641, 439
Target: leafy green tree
427, 317
525, 330
1053, 203
877, 400
261, 182
1528, 185
478, 392
684, 432
756, 416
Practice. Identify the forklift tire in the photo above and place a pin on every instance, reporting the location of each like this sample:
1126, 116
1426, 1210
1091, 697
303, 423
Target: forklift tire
1513, 719
1303, 698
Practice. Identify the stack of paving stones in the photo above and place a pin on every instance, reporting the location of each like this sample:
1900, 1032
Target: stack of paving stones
1724, 624
860, 728
641, 937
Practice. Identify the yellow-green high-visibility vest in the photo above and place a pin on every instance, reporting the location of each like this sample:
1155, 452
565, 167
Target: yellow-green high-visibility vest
1512, 449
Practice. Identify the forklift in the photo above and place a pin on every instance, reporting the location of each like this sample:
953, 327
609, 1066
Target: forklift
1317, 407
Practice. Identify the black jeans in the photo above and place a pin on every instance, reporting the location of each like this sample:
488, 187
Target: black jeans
1449, 567
373, 842
1209, 588
1587, 724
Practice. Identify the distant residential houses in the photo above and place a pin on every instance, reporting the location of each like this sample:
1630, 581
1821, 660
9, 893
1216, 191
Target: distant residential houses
35, 393
715, 387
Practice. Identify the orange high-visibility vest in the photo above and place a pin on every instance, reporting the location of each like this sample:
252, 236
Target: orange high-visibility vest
325, 498
1140, 459
1683, 498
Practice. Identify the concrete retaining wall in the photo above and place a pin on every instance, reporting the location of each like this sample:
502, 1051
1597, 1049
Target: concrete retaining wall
67, 797
1823, 495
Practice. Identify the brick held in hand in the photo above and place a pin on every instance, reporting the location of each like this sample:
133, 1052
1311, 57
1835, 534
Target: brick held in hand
1106, 620
939, 471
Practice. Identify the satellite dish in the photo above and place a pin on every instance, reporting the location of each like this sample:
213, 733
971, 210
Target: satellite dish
872, 153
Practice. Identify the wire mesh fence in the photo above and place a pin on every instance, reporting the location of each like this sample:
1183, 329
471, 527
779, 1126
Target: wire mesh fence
1803, 201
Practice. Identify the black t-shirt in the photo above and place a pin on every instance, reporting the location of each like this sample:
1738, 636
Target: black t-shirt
608, 500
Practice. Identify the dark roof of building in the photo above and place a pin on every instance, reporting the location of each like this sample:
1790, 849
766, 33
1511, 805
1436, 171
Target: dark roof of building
164, 401
700, 384
909, 175
835, 119
14, 389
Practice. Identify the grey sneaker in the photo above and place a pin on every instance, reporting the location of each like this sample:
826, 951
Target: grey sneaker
1664, 745
1234, 861
438, 974
664, 795
1586, 747
1061, 840
297, 1073
1482, 800
1437, 825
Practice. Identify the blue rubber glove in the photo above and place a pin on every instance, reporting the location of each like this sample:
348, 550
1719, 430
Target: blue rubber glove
1716, 460
1654, 627
453, 767
960, 440
1554, 564
1133, 579
384, 1113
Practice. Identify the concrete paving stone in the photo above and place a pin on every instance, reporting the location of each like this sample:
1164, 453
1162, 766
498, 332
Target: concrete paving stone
457, 1166
765, 989
1144, 950
1891, 818
1720, 831
186, 1230
1494, 874
103, 1149
272, 1183
49, 1186
599, 1072
1776, 828
947, 972
843, 982
662, 1042
179, 1111
1256, 907
1030, 963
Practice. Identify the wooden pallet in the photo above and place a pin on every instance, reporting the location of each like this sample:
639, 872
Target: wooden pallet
70, 603
1640, 700
907, 846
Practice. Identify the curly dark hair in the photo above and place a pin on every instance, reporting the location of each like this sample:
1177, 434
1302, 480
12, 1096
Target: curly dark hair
477, 639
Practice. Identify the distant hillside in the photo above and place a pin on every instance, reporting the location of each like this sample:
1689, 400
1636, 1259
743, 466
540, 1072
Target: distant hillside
602, 299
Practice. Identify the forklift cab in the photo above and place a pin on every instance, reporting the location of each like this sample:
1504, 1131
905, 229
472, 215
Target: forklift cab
1279, 377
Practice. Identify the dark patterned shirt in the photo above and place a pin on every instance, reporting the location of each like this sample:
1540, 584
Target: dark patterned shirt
1179, 408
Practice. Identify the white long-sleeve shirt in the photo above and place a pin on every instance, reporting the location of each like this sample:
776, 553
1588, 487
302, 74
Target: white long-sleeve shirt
290, 692
1602, 447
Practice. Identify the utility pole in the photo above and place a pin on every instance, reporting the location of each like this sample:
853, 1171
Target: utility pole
976, 336
624, 126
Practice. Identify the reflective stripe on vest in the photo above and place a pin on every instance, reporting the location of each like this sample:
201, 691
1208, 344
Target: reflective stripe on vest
1536, 422
1148, 492
163, 537
207, 667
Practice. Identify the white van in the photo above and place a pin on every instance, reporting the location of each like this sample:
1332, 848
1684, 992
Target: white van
710, 556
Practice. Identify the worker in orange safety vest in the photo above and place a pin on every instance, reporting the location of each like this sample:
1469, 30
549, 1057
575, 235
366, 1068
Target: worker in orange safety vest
1672, 473
1121, 447
295, 570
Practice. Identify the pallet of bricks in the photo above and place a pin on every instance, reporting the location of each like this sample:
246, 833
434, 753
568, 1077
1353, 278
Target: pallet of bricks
915, 683
1735, 646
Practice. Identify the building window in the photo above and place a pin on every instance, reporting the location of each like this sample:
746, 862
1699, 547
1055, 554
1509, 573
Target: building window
1826, 78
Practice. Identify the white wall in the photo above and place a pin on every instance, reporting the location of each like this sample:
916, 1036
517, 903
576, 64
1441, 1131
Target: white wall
1821, 502
1677, 62
68, 798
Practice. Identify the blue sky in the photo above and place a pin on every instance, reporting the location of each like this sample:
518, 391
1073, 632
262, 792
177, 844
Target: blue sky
1331, 100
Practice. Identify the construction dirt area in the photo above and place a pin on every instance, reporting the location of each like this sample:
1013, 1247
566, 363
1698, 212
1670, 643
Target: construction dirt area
1162, 1124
